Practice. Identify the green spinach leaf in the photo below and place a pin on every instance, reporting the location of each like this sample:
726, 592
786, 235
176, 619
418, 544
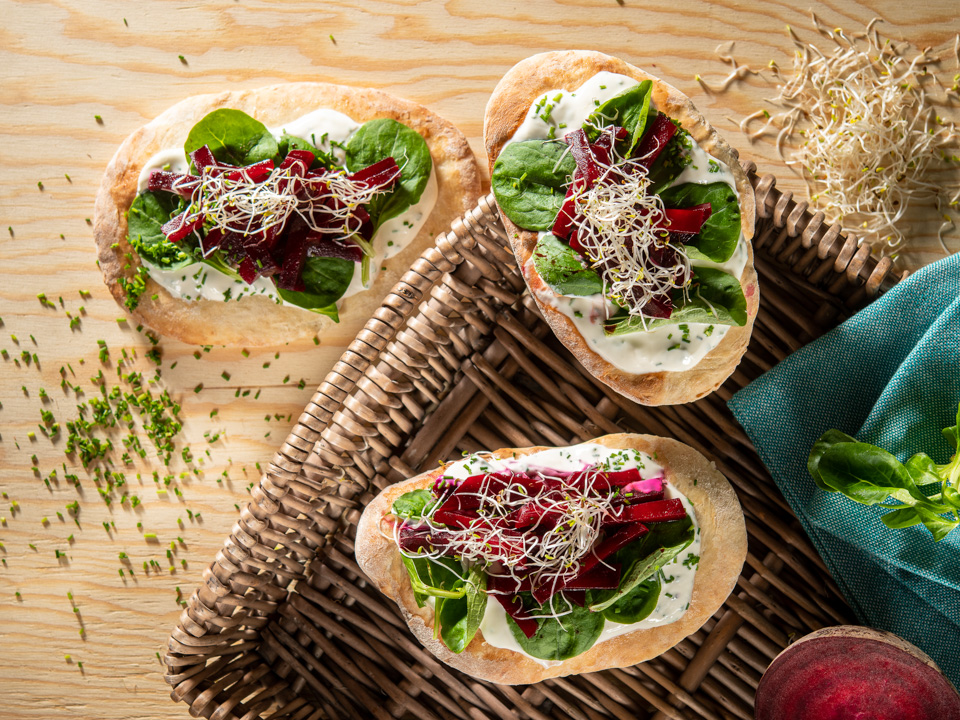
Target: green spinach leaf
713, 297
562, 268
233, 137
867, 474
325, 280
826, 441
382, 138
561, 638
720, 234
460, 618
529, 181
629, 109
413, 504
637, 604
148, 213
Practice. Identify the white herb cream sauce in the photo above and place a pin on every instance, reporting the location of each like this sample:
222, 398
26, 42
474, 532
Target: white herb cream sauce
667, 348
676, 591
321, 127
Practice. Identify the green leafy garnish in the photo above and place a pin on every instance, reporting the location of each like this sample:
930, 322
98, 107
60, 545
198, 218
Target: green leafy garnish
923, 491
629, 110
412, 505
562, 268
529, 180
561, 638
148, 213
233, 137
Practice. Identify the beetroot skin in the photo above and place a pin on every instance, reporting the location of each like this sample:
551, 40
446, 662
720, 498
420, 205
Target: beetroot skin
853, 673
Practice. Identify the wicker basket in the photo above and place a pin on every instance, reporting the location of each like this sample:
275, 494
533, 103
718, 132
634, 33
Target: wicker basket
458, 359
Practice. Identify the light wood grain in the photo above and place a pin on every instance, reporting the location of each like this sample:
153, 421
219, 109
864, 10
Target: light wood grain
63, 62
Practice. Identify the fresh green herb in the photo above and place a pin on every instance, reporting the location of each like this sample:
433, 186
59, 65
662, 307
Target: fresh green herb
412, 505
629, 109
533, 203
922, 492
561, 268
233, 137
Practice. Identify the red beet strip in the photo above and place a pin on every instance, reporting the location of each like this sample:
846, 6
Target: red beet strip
649, 512
686, 220
514, 608
655, 139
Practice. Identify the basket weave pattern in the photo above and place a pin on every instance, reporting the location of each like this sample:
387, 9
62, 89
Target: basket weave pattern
457, 359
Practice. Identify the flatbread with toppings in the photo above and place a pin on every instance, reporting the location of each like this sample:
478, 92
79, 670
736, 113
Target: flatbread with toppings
524, 564
260, 216
631, 220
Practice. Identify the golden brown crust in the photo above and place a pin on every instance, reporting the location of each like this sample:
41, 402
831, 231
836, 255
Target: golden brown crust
723, 548
258, 320
506, 111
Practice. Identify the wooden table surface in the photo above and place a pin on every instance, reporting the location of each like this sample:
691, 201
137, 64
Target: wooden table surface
66, 63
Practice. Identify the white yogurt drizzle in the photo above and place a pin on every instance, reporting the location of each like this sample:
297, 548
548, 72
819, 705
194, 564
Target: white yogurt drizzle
668, 348
677, 590
321, 127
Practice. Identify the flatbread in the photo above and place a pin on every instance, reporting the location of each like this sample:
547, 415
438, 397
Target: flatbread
723, 548
505, 112
258, 320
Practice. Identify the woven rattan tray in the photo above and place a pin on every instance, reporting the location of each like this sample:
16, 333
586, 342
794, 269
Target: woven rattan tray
458, 359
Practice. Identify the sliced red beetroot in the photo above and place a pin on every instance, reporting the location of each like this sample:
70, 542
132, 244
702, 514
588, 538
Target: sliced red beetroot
686, 220
295, 253
248, 271
846, 672
257, 172
643, 490
322, 246
211, 241
514, 608
580, 149
649, 512
203, 157
179, 183
455, 519
381, 174
301, 160
507, 584
177, 228
577, 597
568, 211
600, 577
536, 517
655, 139
626, 534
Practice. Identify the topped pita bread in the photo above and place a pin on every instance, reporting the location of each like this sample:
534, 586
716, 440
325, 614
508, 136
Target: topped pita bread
506, 111
258, 320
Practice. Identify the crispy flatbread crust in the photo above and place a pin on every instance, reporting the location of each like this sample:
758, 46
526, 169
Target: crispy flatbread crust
258, 320
723, 548
506, 111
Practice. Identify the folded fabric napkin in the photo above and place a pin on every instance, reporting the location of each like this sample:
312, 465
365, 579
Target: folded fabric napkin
889, 376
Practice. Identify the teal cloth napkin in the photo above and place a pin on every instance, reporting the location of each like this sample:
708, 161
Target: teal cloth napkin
890, 376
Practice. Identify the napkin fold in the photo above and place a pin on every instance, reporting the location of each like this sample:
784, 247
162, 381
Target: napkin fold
890, 376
